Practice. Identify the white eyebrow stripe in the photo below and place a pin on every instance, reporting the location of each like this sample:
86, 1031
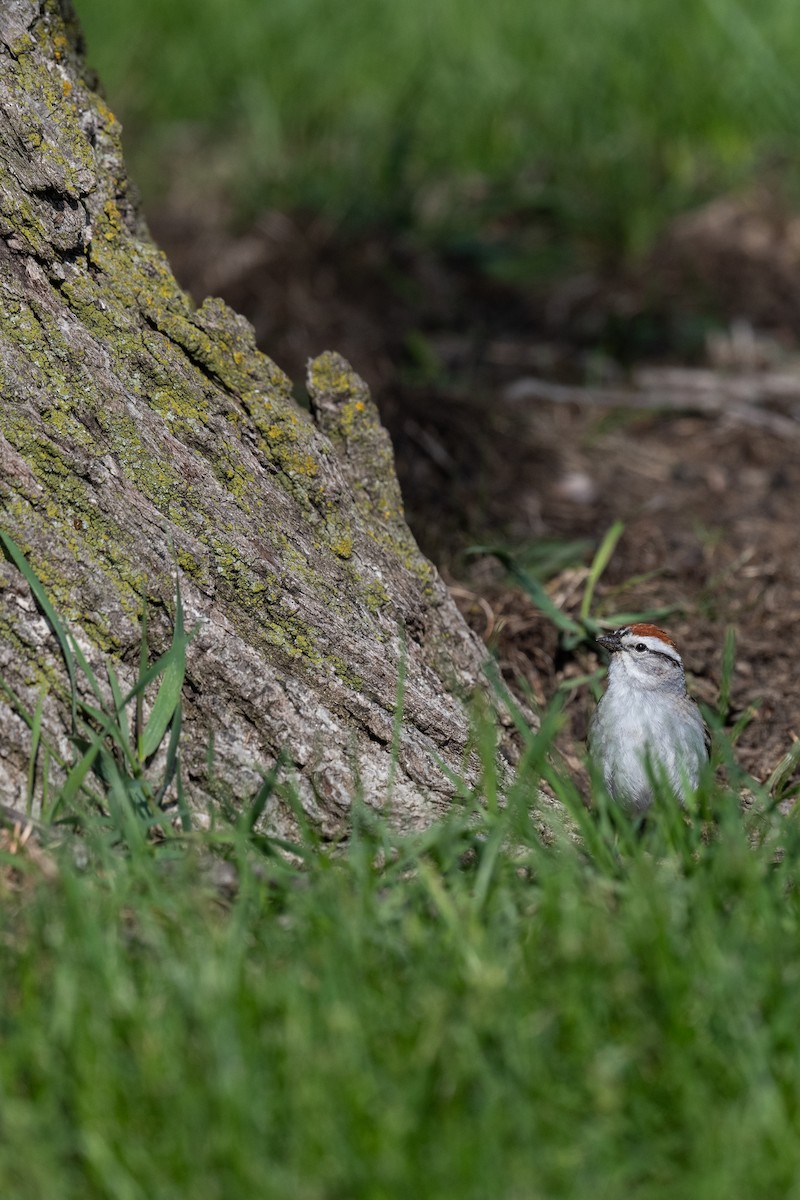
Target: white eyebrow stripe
657, 645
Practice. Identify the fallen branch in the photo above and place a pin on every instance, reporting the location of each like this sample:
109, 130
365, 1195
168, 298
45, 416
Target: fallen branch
737, 399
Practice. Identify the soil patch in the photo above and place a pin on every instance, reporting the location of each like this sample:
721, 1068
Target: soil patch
710, 504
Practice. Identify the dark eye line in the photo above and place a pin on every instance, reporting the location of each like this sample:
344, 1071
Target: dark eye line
640, 646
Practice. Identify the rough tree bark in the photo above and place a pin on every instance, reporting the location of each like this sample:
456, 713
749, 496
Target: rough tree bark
140, 435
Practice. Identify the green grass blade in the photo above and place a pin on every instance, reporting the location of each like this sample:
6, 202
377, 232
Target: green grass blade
601, 560
744, 719
785, 768
166, 702
485, 733
94, 742
76, 777
579, 681
487, 870
172, 761
153, 672
541, 558
726, 674
91, 678
121, 716
144, 658
130, 819
169, 692
36, 734
45, 780
544, 603
255, 810
15, 555
106, 723
492, 672
183, 807
535, 590
309, 833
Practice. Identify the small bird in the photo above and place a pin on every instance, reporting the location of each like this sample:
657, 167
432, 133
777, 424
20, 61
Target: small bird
646, 725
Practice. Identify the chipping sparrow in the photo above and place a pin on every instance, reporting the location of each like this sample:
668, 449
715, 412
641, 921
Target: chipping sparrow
646, 719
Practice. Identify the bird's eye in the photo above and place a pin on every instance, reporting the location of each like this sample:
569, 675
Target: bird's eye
640, 646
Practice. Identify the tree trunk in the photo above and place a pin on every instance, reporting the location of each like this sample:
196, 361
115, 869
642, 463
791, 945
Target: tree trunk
142, 437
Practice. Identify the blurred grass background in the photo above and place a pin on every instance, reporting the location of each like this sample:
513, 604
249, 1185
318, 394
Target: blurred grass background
614, 1019
603, 120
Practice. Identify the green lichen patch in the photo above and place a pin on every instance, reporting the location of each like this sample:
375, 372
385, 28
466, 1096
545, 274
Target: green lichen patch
37, 350
236, 479
354, 417
184, 410
243, 366
331, 376
287, 440
254, 594
77, 525
221, 343
150, 472
86, 301
343, 672
195, 342
376, 596
135, 274
234, 572
23, 334
327, 588
113, 225
342, 545
39, 672
349, 417
294, 638
194, 567
405, 550
48, 125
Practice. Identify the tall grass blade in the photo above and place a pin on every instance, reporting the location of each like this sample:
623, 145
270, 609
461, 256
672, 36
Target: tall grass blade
310, 843
784, 769
183, 807
166, 702
15, 555
487, 870
76, 777
726, 674
537, 593
254, 812
46, 755
171, 765
121, 715
169, 692
129, 817
89, 674
492, 672
601, 560
144, 658
36, 734
534, 589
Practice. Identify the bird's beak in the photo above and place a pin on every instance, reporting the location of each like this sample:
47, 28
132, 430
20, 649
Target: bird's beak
610, 641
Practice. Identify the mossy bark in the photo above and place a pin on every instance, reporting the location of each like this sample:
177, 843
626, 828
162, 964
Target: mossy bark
141, 436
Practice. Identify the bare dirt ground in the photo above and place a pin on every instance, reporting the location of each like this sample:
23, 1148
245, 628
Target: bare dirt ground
706, 480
